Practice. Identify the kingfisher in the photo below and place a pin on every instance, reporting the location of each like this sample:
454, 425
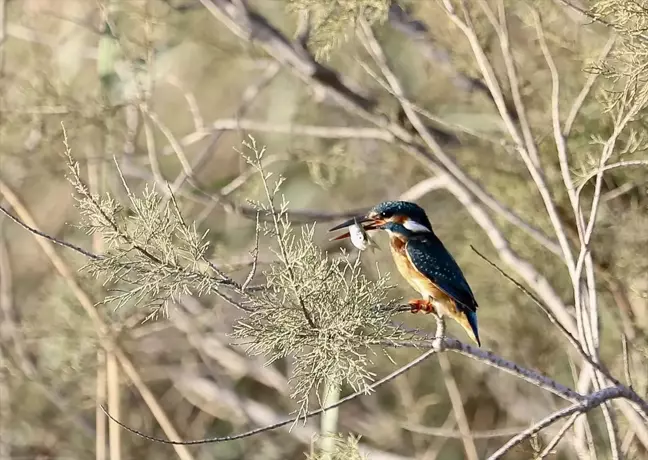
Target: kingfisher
423, 260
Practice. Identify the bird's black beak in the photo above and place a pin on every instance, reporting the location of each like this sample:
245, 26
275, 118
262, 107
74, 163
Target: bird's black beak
371, 224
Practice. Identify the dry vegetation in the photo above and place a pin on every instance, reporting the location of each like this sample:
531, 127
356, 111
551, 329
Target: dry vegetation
197, 295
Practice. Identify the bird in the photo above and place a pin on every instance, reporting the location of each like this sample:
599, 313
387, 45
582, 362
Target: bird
423, 260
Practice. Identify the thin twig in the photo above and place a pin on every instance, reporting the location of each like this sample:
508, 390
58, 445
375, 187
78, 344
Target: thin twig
620, 164
502, 30
626, 360
589, 83
54, 240
556, 439
572, 339
317, 131
255, 256
559, 137
288, 421
277, 229
450, 433
192, 103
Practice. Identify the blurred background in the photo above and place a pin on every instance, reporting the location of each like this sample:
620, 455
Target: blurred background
170, 89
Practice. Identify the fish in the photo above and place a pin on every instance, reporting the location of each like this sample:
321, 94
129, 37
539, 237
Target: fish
359, 236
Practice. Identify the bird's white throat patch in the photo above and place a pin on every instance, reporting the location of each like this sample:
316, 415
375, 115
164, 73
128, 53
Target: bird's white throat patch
415, 227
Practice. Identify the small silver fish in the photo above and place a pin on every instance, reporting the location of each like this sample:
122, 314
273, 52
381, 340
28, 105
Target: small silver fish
359, 236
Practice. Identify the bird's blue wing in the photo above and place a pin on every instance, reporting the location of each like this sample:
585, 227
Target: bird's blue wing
432, 259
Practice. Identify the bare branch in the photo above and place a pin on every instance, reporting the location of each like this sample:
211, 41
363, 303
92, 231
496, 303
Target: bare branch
589, 83
493, 360
561, 144
502, 30
418, 31
626, 361
620, 164
451, 433
592, 401
325, 132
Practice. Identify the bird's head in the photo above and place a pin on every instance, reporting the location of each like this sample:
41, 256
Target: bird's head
397, 217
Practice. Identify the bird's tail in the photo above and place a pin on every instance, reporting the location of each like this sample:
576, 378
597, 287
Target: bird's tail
469, 322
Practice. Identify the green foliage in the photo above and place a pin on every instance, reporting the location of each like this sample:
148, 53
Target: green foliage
343, 304
630, 17
332, 19
626, 66
323, 313
153, 256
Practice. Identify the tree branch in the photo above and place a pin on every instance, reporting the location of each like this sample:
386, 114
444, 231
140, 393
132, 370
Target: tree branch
589, 403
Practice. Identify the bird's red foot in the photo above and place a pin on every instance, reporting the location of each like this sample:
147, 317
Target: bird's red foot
418, 305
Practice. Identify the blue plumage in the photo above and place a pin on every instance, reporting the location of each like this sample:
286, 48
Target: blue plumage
432, 259
472, 319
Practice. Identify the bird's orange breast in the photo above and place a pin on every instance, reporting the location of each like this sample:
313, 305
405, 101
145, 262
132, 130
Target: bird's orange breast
421, 283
